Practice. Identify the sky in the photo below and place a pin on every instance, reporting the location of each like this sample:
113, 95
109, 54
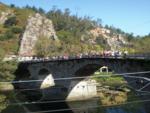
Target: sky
132, 16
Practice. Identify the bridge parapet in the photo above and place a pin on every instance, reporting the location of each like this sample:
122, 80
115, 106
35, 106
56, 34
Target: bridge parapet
80, 56
57, 58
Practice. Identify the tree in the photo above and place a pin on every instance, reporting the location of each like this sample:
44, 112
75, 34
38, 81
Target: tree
12, 5
130, 37
7, 70
99, 22
67, 12
40, 10
34, 9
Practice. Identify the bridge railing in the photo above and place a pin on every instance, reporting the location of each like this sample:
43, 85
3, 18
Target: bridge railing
79, 56
139, 55
57, 58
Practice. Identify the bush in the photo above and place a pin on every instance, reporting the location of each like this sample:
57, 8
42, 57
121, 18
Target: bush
2, 53
46, 47
8, 35
10, 21
3, 104
7, 70
2, 37
16, 30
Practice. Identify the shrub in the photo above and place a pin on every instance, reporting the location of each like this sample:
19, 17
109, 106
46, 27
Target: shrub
10, 21
16, 30
8, 35
2, 53
2, 37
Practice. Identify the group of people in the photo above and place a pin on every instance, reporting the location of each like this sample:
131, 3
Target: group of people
114, 54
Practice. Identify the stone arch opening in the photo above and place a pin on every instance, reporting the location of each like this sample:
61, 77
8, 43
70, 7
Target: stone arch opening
104, 69
43, 71
47, 81
87, 70
90, 69
85, 87
22, 74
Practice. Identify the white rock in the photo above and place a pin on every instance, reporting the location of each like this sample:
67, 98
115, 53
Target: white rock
37, 25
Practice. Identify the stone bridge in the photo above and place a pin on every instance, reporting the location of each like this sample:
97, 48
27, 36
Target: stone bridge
51, 71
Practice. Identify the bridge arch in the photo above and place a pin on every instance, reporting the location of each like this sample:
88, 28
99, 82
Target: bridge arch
43, 71
91, 68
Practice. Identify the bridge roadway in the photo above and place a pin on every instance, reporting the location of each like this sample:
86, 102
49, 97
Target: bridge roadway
61, 58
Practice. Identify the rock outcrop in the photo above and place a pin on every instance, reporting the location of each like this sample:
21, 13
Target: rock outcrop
37, 25
114, 41
4, 16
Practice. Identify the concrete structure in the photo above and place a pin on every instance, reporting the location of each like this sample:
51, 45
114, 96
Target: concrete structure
82, 90
50, 73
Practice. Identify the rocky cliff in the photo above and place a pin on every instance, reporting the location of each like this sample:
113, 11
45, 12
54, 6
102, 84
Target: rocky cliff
37, 26
114, 41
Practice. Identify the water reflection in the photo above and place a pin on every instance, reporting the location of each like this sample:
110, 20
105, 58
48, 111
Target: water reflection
88, 106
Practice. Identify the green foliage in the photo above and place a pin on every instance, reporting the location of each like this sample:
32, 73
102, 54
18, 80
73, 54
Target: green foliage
2, 53
64, 35
109, 79
116, 30
22, 16
3, 103
7, 70
12, 5
70, 29
8, 35
141, 45
130, 50
10, 21
40, 10
46, 47
16, 30
13, 27
130, 37
73, 24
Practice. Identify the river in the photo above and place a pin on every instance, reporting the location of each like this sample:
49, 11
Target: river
88, 106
